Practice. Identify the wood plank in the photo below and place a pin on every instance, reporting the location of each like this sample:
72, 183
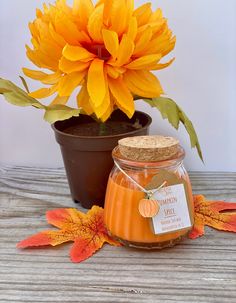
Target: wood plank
202, 270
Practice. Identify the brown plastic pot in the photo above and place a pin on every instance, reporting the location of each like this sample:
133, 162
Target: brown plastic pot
88, 160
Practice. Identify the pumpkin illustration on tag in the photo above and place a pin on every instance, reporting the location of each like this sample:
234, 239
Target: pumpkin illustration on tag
148, 208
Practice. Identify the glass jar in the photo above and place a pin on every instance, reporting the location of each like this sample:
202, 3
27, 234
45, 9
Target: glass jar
132, 181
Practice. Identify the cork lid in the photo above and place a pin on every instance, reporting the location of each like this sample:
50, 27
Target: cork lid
148, 148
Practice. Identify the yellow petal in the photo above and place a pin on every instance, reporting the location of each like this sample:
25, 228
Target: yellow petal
119, 16
111, 42
39, 13
143, 83
34, 74
66, 28
95, 24
102, 109
107, 12
68, 66
143, 14
143, 62
76, 53
33, 29
156, 15
162, 44
44, 92
52, 79
41, 60
132, 29
83, 100
83, 9
56, 37
96, 82
69, 82
43, 77
50, 49
125, 51
171, 46
130, 6
32, 56
108, 112
159, 66
59, 100
112, 71
142, 42
123, 97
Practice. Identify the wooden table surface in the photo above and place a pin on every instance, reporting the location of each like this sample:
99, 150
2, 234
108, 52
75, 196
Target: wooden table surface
202, 270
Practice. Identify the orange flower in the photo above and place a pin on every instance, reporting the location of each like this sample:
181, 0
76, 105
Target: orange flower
108, 49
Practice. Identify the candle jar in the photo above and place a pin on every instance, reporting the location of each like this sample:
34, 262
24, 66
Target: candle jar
149, 204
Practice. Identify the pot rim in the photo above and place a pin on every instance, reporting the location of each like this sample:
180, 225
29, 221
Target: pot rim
104, 137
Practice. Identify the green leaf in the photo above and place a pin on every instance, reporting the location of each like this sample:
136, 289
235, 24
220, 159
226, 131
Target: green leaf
24, 83
60, 112
17, 96
171, 111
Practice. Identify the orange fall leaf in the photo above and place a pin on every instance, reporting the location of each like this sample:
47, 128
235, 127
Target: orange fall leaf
214, 214
87, 231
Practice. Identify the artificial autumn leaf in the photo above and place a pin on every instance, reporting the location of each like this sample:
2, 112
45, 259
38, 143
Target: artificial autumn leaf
59, 112
214, 214
87, 231
17, 96
171, 111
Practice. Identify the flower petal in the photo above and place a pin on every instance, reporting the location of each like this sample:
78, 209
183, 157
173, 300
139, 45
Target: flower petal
143, 83
43, 77
44, 92
69, 82
96, 82
66, 28
123, 98
68, 66
76, 53
144, 62
159, 66
107, 12
132, 29
34, 74
118, 16
83, 100
112, 71
142, 42
83, 9
156, 15
143, 14
108, 112
125, 51
59, 100
102, 109
95, 24
56, 37
111, 42
32, 56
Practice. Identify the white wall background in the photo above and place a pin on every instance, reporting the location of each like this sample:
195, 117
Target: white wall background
202, 80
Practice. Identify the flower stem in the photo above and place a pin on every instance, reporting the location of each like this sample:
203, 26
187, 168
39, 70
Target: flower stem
102, 129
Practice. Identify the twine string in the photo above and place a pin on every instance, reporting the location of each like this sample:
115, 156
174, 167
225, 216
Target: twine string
149, 193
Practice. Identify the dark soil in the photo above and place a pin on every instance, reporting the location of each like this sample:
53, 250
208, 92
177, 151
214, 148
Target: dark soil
101, 129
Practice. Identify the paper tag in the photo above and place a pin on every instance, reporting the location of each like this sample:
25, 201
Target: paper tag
173, 214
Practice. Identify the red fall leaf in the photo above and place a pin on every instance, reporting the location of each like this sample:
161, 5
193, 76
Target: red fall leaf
214, 214
87, 231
